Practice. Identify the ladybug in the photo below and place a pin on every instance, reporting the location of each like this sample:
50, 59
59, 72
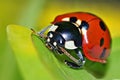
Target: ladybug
82, 32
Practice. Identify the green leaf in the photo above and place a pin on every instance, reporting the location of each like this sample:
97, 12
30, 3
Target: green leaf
31, 13
36, 62
29, 63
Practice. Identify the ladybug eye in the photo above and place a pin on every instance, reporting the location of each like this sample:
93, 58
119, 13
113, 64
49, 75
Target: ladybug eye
102, 25
101, 42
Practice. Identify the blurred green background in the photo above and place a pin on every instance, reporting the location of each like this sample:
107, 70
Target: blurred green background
38, 14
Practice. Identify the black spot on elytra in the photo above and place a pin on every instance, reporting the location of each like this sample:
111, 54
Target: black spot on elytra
102, 25
84, 24
73, 19
103, 53
101, 42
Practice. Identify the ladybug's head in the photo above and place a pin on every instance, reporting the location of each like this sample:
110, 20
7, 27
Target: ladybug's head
64, 34
55, 39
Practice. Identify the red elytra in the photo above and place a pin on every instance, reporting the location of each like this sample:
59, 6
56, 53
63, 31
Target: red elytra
96, 43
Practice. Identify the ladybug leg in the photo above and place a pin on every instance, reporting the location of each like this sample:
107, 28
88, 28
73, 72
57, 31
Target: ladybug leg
53, 48
49, 46
75, 63
59, 51
81, 57
72, 64
79, 63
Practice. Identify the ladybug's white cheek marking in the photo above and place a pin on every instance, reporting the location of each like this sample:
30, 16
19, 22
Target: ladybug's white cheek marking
53, 28
84, 32
48, 40
66, 19
54, 43
78, 22
70, 45
51, 35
